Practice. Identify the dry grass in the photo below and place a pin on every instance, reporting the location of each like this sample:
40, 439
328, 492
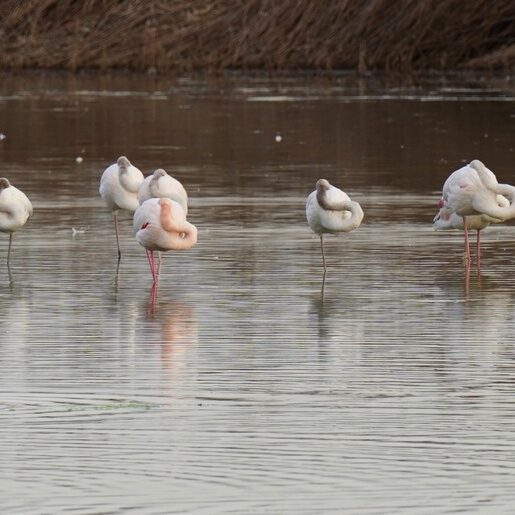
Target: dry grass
213, 35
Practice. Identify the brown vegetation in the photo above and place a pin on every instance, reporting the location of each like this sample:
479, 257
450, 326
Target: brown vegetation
182, 35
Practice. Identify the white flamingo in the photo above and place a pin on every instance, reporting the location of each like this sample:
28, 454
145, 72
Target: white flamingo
162, 185
446, 220
160, 224
119, 187
474, 190
330, 210
15, 210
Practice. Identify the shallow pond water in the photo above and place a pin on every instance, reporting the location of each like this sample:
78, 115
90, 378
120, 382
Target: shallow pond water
240, 385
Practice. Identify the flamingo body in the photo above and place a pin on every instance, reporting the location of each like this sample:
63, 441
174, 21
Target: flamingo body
330, 210
474, 190
473, 194
15, 210
160, 224
15, 207
446, 219
162, 185
119, 187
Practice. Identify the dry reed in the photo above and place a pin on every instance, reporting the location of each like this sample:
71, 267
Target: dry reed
182, 35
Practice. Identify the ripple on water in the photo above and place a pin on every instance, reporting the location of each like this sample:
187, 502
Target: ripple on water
245, 384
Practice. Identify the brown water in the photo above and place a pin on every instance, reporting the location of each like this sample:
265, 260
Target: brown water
238, 387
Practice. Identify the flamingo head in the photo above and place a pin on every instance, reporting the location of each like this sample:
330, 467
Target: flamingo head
323, 185
123, 162
158, 174
4, 183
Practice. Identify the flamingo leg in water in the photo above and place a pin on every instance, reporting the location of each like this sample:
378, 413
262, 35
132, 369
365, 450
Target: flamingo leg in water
147, 252
478, 250
160, 262
466, 234
151, 306
156, 271
9, 248
323, 255
115, 218
150, 259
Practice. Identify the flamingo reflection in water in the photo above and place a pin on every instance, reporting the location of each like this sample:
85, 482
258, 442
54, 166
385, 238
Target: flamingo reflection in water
177, 325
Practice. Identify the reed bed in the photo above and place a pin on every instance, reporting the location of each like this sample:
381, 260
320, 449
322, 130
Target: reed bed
213, 35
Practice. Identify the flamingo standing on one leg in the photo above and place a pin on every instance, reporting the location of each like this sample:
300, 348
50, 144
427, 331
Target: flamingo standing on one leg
162, 185
15, 210
474, 190
119, 187
330, 210
160, 224
447, 220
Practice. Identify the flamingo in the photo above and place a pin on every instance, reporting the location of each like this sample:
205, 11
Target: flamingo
159, 185
160, 224
15, 210
474, 190
119, 187
446, 220
330, 210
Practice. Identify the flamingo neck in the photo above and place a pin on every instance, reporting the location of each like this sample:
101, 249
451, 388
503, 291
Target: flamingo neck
153, 186
356, 215
484, 204
125, 180
182, 234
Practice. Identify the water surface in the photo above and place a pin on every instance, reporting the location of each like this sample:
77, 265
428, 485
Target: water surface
239, 386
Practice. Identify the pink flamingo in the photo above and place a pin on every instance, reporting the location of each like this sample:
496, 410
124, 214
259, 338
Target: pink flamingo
474, 190
160, 224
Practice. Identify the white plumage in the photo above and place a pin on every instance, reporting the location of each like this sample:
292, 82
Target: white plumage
473, 190
330, 210
473, 195
15, 210
162, 185
119, 186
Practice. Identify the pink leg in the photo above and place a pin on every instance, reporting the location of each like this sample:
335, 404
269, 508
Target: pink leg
478, 250
158, 267
151, 264
151, 306
154, 266
467, 278
466, 233
160, 262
